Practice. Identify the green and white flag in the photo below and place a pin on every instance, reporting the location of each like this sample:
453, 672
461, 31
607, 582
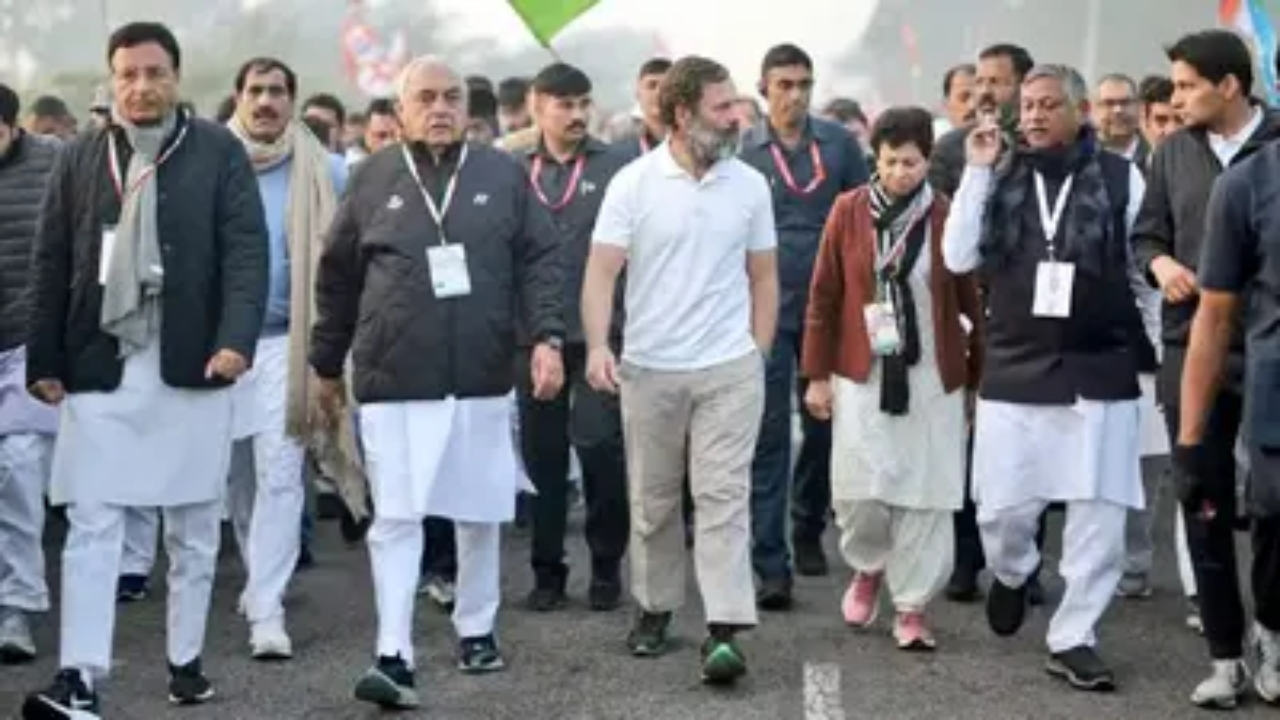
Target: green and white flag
546, 18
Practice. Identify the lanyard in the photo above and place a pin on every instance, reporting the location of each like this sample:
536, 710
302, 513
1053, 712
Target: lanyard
898, 247
117, 176
574, 178
1049, 220
819, 170
644, 143
437, 211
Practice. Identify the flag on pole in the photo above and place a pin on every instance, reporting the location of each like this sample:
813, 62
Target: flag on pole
546, 18
1248, 18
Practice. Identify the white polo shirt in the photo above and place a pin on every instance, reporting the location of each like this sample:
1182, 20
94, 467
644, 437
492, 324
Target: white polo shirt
688, 296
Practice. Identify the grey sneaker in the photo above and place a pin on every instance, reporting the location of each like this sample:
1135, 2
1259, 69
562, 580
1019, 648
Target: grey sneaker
1134, 586
16, 644
439, 591
1223, 689
1267, 681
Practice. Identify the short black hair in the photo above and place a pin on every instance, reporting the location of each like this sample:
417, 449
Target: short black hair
845, 110
1155, 89
655, 66
1016, 55
319, 127
49, 106
10, 106
899, 126
478, 82
482, 104
956, 70
226, 109
327, 102
263, 65
380, 106
512, 93
141, 33
561, 80
785, 55
1215, 54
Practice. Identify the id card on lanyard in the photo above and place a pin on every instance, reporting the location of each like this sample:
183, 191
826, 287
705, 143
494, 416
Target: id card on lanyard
447, 263
880, 316
575, 177
788, 179
1054, 280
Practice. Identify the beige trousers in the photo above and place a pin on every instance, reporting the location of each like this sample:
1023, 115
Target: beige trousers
705, 423
915, 549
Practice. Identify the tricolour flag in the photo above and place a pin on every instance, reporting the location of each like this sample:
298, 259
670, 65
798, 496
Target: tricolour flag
1248, 18
546, 18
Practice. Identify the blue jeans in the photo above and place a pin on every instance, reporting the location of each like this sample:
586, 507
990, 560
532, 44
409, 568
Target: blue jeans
772, 483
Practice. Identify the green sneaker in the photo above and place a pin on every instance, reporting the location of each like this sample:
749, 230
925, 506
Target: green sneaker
648, 638
722, 662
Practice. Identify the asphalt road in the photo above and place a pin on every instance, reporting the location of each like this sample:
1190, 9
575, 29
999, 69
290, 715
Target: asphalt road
805, 665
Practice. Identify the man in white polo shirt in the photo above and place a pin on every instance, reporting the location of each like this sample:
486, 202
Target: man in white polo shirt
694, 228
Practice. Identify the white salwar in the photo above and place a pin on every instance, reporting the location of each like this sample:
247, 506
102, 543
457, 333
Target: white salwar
1027, 457
897, 480
26, 445
449, 458
144, 444
266, 490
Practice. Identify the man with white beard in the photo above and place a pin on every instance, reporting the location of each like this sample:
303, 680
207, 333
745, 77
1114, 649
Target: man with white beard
149, 284
434, 247
299, 182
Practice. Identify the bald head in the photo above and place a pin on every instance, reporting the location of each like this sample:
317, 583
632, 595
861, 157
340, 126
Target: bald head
432, 103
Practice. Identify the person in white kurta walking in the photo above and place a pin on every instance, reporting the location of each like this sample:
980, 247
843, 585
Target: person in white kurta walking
26, 426
439, 259
299, 181
891, 350
1047, 224
148, 289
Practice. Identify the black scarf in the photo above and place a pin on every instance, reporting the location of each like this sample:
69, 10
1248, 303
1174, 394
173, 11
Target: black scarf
891, 218
1087, 225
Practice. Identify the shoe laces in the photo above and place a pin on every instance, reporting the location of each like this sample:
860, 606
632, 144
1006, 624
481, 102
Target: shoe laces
865, 587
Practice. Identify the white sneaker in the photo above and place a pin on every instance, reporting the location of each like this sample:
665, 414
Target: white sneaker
1267, 681
269, 641
16, 644
1223, 689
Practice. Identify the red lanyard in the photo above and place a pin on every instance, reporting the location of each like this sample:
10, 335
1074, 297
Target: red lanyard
574, 178
117, 177
644, 143
819, 170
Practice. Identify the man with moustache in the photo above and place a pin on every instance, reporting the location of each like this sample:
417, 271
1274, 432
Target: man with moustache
693, 226
569, 171
957, 95
299, 182
1000, 70
808, 162
1115, 115
439, 260
148, 288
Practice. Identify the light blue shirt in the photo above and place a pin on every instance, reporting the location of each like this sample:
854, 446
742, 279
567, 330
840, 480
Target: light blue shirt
274, 187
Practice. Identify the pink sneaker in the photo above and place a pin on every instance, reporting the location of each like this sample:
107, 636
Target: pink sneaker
861, 601
912, 633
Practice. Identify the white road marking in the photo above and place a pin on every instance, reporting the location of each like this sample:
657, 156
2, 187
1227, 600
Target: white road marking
822, 697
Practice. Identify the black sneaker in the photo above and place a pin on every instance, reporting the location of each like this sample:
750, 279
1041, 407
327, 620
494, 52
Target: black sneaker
188, 685
132, 588
1006, 608
774, 594
722, 661
388, 684
605, 593
68, 698
1082, 669
963, 586
648, 637
810, 560
1036, 595
480, 655
549, 594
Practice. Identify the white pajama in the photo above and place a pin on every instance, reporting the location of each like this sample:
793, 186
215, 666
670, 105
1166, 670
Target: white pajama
915, 549
453, 459
24, 472
141, 533
266, 487
91, 562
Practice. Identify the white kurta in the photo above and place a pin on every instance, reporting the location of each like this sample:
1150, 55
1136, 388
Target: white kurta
1153, 435
145, 444
914, 461
19, 412
449, 458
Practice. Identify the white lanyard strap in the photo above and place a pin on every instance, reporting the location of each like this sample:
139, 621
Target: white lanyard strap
123, 188
1049, 221
438, 212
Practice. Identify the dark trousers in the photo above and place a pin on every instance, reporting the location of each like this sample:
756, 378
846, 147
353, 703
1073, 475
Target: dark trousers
439, 548
772, 483
592, 422
1211, 537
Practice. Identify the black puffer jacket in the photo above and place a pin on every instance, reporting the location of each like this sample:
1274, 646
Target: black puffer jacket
24, 172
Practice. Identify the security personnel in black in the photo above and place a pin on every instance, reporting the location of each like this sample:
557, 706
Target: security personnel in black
569, 171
